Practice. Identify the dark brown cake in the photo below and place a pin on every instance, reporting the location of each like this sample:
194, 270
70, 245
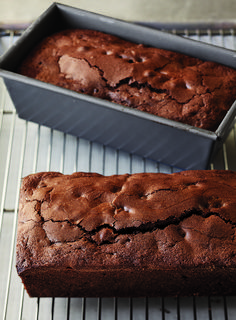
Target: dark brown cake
145, 234
160, 82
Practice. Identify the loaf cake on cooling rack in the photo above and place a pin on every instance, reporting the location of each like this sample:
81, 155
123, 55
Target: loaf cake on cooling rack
144, 234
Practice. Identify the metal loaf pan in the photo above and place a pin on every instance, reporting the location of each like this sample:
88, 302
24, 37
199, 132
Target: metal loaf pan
134, 131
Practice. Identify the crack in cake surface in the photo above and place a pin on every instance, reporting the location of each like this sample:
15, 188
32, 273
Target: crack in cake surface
127, 220
117, 207
164, 83
142, 228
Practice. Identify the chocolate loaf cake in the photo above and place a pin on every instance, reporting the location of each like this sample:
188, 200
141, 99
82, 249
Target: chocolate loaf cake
145, 234
160, 82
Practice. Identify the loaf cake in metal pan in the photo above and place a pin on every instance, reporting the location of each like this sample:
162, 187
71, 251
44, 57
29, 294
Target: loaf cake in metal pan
157, 81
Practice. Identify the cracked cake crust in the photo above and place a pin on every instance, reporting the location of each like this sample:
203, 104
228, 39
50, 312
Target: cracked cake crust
139, 234
160, 82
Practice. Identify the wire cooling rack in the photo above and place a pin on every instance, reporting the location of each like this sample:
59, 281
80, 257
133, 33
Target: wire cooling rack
26, 147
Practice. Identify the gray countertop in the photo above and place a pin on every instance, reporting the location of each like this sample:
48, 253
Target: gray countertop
162, 11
